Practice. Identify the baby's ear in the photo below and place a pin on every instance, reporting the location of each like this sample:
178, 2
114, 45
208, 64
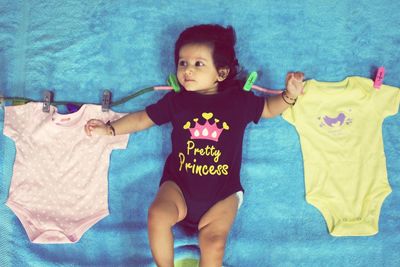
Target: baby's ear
223, 73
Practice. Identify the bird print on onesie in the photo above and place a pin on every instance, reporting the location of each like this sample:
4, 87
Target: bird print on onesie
336, 123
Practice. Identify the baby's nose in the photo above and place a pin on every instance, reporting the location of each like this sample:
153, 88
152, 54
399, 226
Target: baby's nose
189, 70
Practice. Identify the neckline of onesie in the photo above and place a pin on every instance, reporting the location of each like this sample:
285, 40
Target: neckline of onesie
66, 121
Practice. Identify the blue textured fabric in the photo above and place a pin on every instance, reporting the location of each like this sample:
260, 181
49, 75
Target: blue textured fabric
78, 48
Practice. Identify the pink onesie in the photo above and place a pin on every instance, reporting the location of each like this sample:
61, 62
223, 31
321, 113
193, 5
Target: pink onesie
59, 185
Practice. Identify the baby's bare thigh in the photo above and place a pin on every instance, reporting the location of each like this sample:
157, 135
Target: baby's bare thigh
222, 215
170, 193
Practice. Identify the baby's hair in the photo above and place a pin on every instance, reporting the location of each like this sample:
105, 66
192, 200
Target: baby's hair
222, 42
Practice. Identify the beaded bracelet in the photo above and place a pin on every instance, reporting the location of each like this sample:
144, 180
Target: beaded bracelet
286, 95
283, 95
111, 128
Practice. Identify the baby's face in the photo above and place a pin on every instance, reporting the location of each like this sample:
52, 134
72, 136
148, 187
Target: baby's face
196, 70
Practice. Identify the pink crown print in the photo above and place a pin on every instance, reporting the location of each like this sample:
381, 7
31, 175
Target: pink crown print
207, 131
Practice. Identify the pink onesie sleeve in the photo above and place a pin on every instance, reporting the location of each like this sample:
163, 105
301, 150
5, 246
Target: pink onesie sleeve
16, 119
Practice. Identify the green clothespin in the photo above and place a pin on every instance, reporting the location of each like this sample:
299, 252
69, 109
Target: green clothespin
173, 81
18, 102
250, 81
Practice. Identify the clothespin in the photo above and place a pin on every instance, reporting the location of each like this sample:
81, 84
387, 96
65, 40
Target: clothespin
47, 99
106, 101
173, 81
250, 81
2, 101
380, 74
72, 107
18, 102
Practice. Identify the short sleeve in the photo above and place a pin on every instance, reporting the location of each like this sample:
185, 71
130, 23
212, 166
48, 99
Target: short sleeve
386, 100
118, 141
288, 115
161, 112
15, 120
254, 107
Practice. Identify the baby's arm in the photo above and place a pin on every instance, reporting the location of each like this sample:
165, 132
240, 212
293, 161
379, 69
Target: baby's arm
275, 105
131, 122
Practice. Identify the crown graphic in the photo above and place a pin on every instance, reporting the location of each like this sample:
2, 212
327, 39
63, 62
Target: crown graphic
206, 131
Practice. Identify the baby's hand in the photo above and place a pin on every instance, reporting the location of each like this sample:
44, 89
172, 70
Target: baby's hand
294, 84
96, 126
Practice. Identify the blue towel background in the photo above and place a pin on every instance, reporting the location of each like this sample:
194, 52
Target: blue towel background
78, 48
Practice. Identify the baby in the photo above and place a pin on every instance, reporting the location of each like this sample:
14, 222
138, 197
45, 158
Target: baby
200, 185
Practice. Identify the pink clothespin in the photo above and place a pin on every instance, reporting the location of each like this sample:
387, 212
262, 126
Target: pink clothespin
380, 74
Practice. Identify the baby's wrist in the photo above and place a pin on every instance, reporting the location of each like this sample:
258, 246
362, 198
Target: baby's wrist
290, 95
288, 98
110, 129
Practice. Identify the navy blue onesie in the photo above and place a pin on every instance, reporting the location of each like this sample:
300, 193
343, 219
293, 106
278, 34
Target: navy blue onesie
207, 139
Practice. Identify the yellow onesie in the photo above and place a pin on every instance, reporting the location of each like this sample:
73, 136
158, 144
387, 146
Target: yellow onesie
340, 130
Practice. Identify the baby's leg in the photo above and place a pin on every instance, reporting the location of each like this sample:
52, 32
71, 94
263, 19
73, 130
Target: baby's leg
167, 209
214, 228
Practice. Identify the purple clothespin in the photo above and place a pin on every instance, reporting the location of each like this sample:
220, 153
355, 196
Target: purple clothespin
72, 107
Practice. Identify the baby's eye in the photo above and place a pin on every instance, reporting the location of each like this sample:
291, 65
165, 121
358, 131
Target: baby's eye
199, 64
182, 63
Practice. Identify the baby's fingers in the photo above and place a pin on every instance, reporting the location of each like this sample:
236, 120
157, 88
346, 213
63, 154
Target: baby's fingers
289, 76
94, 122
91, 125
299, 76
88, 130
